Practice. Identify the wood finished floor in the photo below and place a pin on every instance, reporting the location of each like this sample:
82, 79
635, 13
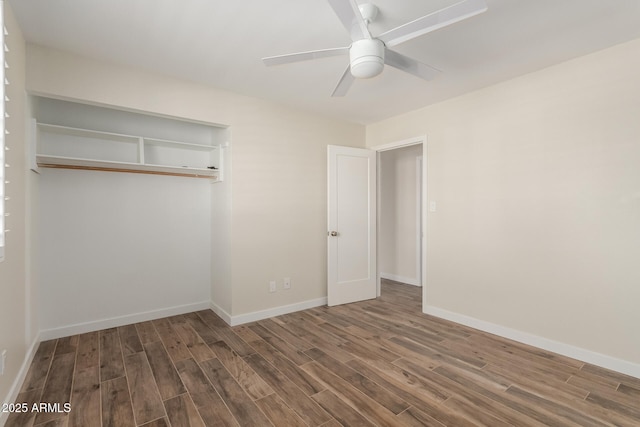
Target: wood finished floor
379, 362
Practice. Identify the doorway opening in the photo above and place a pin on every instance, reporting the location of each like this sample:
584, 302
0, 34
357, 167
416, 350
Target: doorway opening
353, 204
401, 213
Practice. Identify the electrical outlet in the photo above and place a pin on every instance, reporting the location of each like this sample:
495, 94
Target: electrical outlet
3, 359
272, 286
286, 284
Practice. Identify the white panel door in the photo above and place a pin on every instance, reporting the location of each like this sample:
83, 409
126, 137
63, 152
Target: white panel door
352, 225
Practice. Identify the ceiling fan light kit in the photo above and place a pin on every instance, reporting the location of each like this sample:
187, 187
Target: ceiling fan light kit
368, 55
366, 58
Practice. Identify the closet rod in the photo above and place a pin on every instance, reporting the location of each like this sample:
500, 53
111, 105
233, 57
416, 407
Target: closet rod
105, 169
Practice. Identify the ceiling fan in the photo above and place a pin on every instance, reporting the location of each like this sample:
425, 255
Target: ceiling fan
368, 54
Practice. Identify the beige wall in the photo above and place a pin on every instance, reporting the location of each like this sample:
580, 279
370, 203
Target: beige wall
537, 182
277, 214
14, 312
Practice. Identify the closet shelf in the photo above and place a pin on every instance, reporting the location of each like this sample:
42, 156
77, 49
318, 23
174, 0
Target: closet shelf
59, 162
77, 148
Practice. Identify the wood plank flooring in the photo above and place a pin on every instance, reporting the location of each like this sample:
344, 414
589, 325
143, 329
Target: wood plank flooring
374, 363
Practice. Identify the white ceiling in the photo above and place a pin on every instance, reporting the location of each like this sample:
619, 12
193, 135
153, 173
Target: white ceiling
221, 43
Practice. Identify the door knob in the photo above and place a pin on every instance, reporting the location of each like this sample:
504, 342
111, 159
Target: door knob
333, 233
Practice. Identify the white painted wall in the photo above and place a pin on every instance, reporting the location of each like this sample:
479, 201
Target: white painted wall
220, 260
15, 334
399, 228
114, 245
538, 191
276, 220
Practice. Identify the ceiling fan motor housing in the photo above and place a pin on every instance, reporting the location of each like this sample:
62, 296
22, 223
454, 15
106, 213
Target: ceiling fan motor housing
366, 58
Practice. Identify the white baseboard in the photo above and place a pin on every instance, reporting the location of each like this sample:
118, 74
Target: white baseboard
406, 280
265, 314
220, 312
588, 356
12, 395
81, 328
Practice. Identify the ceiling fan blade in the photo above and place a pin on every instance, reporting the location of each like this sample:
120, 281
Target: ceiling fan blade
351, 18
344, 84
304, 56
447, 16
410, 65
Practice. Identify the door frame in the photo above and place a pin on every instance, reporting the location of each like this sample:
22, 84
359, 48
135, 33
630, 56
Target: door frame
422, 139
419, 211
